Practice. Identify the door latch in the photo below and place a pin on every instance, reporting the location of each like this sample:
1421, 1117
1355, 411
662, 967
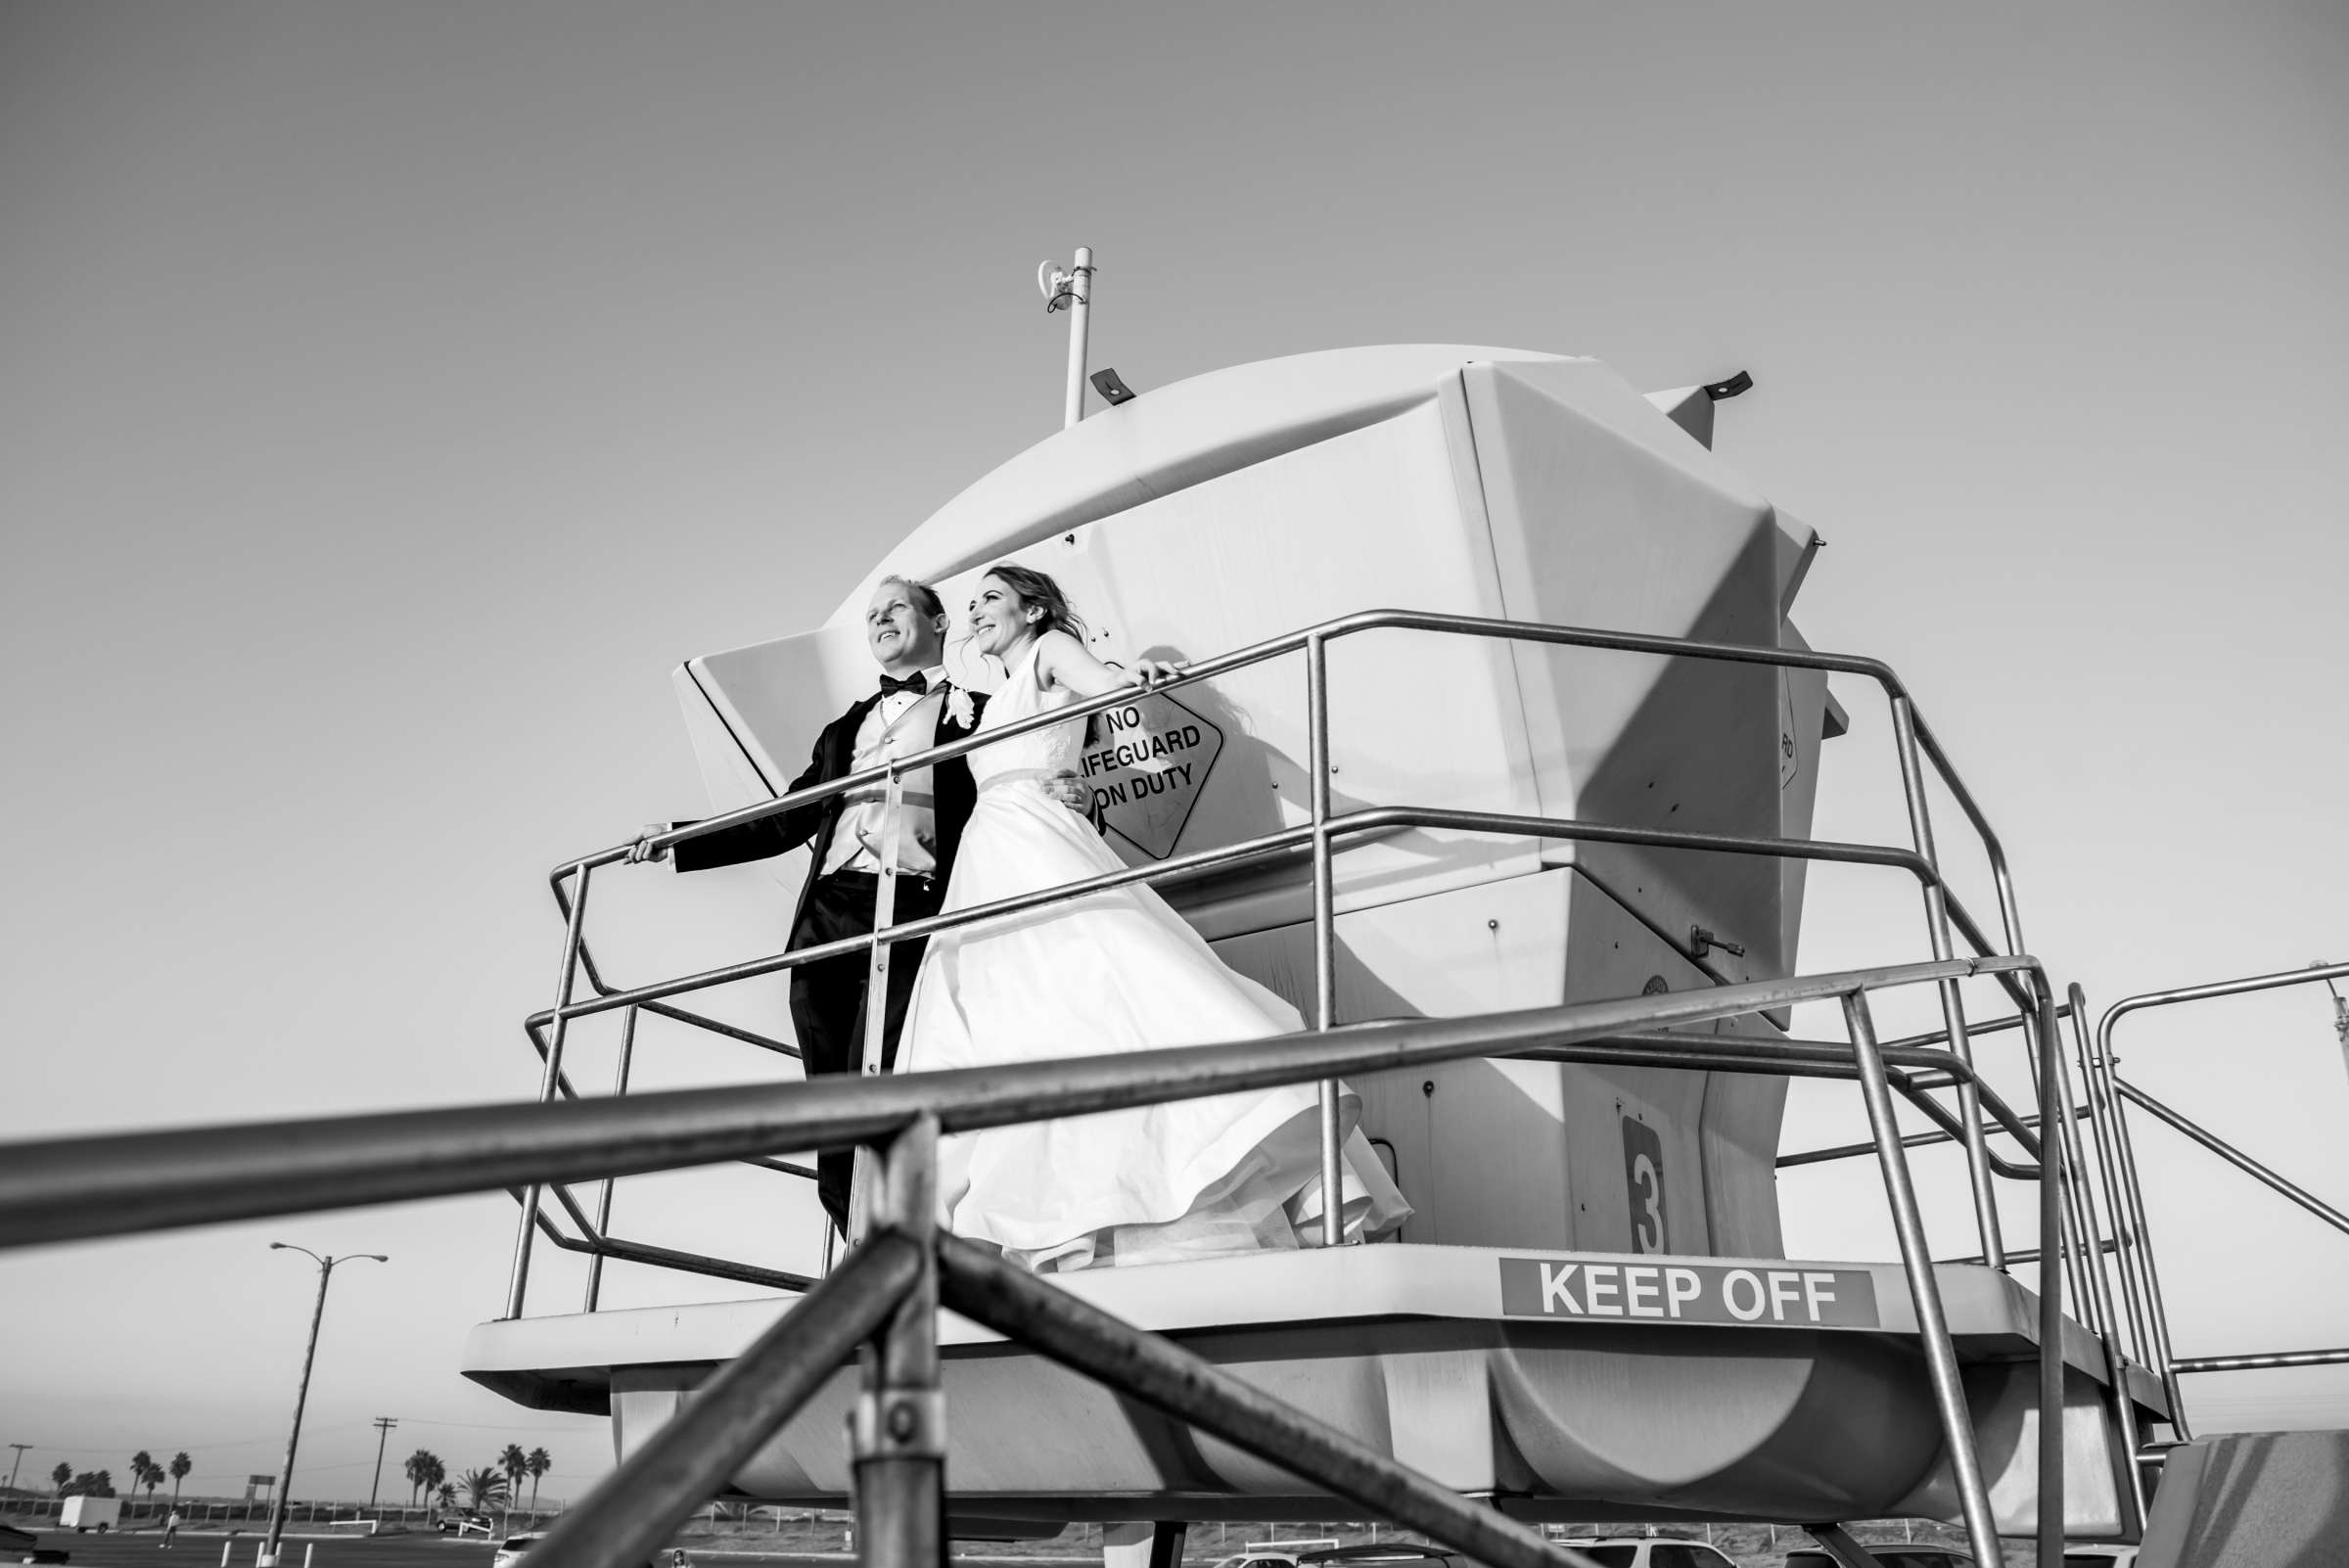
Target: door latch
1702, 942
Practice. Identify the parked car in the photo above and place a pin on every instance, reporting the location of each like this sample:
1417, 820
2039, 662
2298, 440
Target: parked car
510, 1553
1384, 1555
22, 1545
509, 1550
464, 1524
2097, 1554
1891, 1555
1642, 1551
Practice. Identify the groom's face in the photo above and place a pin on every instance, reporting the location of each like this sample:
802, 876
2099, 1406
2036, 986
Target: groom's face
902, 638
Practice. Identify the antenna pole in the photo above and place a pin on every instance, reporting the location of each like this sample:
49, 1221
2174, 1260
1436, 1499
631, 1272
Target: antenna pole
1080, 297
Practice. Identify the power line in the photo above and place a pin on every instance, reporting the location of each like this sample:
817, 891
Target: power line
353, 1427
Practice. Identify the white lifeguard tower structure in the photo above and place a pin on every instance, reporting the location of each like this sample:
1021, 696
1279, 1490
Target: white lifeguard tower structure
1591, 1311
1496, 751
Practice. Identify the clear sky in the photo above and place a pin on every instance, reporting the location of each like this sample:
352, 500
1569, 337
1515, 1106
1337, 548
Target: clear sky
392, 397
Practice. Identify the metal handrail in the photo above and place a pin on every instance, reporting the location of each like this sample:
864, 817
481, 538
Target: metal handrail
1251, 852
2125, 1191
1258, 653
75, 1188
1943, 908
1914, 1140
889, 1287
1366, 821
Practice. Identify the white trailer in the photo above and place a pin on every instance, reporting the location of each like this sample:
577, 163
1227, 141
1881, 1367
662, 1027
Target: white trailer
86, 1512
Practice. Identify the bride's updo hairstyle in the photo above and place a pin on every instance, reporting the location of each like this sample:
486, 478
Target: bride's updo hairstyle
1035, 590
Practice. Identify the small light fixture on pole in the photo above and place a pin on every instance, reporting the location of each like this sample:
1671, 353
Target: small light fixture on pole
1072, 286
2340, 1012
302, 1394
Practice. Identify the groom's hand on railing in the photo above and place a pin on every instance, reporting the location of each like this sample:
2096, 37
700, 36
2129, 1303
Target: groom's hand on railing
643, 849
1151, 671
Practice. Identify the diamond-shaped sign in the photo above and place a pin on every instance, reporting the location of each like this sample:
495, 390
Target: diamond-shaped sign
1147, 764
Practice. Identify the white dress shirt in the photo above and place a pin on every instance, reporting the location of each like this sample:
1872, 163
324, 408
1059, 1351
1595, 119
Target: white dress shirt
856, 840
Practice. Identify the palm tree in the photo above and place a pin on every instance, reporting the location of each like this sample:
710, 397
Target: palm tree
181, 1464
513, 1464
418, 1472
435, 1477
151, 1478
484, 1488
449, 1488
139, 1462
61, 1476
538, 1463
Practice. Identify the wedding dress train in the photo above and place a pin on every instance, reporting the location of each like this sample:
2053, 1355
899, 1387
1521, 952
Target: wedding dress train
1115, 971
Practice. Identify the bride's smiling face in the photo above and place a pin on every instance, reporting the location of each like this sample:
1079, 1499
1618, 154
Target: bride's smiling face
999, 620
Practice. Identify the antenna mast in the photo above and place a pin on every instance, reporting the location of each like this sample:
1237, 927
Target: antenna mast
1071, 287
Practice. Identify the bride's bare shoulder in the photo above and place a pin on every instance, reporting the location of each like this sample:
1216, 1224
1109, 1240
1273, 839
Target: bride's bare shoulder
1056, 653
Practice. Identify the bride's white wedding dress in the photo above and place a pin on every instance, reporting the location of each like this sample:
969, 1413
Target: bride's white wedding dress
1115, 971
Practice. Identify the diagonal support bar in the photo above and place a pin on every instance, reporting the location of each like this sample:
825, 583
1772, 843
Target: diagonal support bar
2234, 1156
641, 1505
1085, 1339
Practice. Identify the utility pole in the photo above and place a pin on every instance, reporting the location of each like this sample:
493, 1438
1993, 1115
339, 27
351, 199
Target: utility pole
383, 1432
19, 1459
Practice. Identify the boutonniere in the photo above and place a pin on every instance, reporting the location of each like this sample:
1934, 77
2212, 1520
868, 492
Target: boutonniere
959, 708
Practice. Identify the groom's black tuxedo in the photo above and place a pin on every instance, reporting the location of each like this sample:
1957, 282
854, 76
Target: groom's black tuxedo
827, 997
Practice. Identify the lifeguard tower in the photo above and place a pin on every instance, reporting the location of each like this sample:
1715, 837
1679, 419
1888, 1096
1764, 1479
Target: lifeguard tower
1496, 752
1590, 1309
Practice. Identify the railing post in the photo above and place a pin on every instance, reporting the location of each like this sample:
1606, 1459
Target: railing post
2087, 1242
2157, 1316
1325, 932
876, 987
602, 1200
518, 1281
1952, 1004
1932, 1322
2052, 1250
898, 1427
2087, 1303
2124, 1234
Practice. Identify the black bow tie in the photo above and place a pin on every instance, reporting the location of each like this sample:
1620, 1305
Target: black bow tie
916, 683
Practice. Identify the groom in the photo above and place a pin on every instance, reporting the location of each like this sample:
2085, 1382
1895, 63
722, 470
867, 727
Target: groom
912, 710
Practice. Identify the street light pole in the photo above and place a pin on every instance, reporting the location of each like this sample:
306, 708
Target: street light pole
302, 1395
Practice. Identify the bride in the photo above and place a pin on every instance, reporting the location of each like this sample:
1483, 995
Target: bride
1114, 971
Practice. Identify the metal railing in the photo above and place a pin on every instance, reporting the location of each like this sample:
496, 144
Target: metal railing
880, 1304
2124, 1195
1916, 747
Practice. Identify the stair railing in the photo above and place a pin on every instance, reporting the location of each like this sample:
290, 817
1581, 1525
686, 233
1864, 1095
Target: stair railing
2109, 1097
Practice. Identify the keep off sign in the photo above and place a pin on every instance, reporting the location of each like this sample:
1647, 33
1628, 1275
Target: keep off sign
1690, 1293
1147, 770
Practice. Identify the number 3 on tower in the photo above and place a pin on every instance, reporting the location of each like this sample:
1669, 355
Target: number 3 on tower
1644, 1183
